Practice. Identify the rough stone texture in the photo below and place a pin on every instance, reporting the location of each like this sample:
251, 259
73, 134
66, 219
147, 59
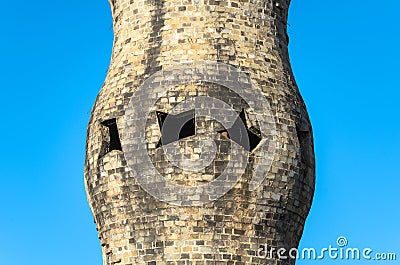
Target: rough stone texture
136, 228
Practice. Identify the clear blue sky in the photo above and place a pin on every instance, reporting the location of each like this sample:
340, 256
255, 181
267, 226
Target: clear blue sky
54, 57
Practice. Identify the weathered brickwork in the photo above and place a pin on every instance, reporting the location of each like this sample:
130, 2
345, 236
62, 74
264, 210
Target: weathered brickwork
136, 228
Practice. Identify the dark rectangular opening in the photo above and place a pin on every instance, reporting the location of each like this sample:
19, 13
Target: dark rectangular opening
112, 140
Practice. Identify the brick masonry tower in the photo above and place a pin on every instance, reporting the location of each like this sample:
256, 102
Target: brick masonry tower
140, 224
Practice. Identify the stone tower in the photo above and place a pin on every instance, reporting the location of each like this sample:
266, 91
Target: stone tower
155, 224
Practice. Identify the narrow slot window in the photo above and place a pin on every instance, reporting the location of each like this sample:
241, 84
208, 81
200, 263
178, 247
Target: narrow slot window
111, 140
304, 138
